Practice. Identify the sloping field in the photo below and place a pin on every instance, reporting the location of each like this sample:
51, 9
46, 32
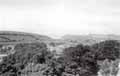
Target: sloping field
8, 37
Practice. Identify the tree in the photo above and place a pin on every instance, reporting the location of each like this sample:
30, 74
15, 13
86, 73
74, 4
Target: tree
83, 57
109, 68
107, 52
109, 49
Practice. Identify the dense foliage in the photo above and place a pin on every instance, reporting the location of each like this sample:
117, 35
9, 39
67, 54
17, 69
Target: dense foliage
109, 49
14, 63
34, 59
81, 59
109, 68
84, 59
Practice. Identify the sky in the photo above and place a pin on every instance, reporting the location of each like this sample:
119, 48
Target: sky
56, 18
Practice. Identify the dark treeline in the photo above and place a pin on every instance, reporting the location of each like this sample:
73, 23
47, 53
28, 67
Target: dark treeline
34, 59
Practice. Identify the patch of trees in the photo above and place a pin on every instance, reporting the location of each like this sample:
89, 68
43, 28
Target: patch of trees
34, 59
82, 60
109, 68
109, 49
25, 53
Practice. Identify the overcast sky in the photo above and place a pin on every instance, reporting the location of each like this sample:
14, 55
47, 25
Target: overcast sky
59, 17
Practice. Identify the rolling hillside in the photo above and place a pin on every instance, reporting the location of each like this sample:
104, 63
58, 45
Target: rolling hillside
21, 37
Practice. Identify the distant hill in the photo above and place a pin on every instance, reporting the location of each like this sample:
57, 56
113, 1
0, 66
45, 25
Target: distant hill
11, 37
21, 37
90, 39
